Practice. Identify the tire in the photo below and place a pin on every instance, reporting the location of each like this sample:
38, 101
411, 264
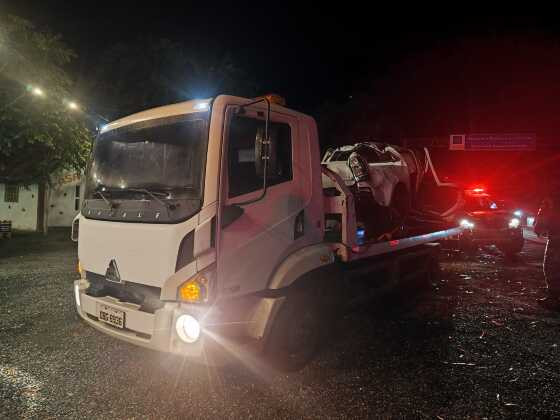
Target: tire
298, 331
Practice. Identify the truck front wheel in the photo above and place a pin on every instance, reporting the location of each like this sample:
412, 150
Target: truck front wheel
298, 331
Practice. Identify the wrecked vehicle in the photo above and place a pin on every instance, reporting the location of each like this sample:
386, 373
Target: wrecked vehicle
384, 169
392, 184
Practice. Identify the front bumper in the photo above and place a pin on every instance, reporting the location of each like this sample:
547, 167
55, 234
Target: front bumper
154, 331
484, 236
226, 332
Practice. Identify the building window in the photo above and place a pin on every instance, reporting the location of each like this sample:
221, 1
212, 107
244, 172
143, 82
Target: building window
77, 198
11, 193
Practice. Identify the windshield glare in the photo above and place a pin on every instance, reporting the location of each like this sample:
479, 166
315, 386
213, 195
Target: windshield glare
164, 154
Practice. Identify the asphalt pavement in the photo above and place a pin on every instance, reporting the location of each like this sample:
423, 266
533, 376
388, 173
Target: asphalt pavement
472, 344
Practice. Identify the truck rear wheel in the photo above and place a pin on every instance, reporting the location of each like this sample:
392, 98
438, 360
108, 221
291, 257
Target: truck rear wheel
298, 331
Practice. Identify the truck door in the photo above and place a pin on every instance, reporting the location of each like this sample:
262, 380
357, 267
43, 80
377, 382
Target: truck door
268, 229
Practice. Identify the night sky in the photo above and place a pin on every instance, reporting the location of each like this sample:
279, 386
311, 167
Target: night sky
307, 55
362, 73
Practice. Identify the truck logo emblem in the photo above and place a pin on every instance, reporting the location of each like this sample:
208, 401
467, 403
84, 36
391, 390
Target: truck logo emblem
112, 273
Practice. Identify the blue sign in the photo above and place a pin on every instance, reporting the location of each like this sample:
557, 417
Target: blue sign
501, 141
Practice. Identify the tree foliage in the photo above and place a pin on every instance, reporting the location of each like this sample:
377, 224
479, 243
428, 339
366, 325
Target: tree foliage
39, 136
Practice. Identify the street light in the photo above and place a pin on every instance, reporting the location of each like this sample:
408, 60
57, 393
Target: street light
37, 91
72, 105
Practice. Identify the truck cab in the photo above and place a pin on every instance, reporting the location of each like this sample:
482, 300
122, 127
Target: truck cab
176, 220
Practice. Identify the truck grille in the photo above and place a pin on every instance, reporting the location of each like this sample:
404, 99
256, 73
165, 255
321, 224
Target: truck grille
145, 296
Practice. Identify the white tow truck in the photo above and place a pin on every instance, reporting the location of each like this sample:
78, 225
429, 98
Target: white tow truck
206, 228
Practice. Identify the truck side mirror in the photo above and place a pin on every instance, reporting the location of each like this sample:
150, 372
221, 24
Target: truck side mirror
269, 153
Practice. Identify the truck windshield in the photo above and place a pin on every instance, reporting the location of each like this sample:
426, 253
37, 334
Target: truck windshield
165, 154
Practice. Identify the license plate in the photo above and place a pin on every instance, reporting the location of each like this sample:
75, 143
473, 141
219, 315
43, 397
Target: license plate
111, 316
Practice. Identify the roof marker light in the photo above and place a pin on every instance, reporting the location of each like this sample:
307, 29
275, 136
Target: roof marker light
201, 106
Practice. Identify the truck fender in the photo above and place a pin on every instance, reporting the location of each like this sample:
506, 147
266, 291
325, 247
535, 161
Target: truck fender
288, 272
297, 264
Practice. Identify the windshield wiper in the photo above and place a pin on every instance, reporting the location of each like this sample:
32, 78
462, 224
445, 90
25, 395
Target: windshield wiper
107, 201
153, 194
161, 188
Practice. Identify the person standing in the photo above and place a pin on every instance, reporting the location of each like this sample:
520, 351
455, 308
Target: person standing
547, 222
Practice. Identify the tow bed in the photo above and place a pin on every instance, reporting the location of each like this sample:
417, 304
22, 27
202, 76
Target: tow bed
379, 248
341, 206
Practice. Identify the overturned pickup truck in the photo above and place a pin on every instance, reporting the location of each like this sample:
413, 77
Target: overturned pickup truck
395, 186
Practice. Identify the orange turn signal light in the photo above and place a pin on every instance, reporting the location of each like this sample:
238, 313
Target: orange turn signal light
193, 290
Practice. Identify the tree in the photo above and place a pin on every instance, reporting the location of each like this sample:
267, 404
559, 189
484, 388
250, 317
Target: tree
39, 136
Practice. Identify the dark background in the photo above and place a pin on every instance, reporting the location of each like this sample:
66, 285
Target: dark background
362, 72
313, 55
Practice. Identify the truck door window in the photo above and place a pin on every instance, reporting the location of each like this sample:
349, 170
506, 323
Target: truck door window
242, 174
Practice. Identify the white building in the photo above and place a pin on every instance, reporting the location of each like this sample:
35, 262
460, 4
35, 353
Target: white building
22, 205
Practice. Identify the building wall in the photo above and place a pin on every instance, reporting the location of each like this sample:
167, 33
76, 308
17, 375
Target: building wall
63, 205
23, 214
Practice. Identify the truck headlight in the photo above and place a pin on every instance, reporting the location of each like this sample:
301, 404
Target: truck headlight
514, 223
188, 328
194, 290
467, 224
518, 213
